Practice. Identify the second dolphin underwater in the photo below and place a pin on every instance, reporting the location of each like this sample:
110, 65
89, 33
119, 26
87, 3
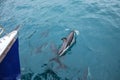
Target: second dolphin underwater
67, 43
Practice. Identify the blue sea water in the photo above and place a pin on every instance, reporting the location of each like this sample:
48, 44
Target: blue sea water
96, 54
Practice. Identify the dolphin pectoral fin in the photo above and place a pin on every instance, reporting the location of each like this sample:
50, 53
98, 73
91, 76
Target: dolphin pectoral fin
64, 38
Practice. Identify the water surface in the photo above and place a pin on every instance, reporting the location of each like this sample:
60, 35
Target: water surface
96, 54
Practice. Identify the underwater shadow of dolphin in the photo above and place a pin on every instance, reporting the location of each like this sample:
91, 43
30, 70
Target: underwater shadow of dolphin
68, 43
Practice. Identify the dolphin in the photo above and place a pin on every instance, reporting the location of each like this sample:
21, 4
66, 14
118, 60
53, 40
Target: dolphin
67, 42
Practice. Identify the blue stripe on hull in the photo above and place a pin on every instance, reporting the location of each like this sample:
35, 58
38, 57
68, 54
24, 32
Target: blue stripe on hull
10, 66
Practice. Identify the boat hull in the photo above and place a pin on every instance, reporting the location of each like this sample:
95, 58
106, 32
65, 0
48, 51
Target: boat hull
10, 65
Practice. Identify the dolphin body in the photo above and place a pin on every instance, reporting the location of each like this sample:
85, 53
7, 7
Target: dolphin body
67, 42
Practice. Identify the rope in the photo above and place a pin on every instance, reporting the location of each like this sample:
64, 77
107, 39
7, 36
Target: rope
1, 29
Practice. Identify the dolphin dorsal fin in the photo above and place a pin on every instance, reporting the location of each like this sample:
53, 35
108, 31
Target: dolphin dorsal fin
64, 38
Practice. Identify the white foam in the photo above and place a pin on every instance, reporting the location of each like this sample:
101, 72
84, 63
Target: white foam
77, 32
89, 73
67, 29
